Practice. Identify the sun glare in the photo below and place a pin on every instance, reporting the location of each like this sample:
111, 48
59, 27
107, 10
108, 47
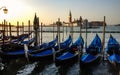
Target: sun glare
17, 11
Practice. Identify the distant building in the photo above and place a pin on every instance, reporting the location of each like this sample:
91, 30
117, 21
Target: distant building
117, 25
70, 17
85, 22
96, 23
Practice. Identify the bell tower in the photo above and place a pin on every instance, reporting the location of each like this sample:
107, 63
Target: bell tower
70, 17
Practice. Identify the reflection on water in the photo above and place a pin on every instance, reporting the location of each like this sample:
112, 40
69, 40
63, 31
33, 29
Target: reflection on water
20, 67
104, 68
27, 69
13, 66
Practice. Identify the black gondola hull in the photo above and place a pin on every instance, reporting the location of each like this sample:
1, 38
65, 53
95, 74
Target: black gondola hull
68, 61
12, 56
113, 63
41, 58
90, 64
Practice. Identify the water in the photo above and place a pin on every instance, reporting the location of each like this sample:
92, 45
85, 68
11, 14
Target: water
22, 67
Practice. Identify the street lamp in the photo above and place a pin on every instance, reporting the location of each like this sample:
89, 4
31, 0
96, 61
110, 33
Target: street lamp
5, 12
4, 9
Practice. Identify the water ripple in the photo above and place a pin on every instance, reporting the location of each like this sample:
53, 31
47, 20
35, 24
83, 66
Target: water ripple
27, 69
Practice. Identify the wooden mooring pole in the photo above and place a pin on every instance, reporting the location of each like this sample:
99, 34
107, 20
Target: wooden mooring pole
80, 21
41, 32
53, 31
58, 23
29, 29
63, 34
23, 27
86, 23
4, 33
6, 28
66, 30
10, 32
103, 39
2, 26
71, 25
17, 28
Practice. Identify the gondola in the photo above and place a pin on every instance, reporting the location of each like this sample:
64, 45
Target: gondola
16, 44
48, 53
29, 42
21, 52
114, 59
112, 46
17, 39
93, 53
113, 51
71, 54
21, 38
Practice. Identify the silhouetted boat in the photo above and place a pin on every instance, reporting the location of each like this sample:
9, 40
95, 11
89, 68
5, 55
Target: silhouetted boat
71, 54
93, 53
48, 53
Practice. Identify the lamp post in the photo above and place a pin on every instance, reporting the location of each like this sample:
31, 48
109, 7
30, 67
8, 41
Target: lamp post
4, 9
5, 12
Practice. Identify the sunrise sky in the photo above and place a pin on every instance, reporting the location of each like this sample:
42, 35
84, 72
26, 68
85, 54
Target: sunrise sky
49, 11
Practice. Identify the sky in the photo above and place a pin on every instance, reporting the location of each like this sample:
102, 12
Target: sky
49, 11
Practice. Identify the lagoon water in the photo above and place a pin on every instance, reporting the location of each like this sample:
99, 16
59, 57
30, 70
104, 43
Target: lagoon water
22, 67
